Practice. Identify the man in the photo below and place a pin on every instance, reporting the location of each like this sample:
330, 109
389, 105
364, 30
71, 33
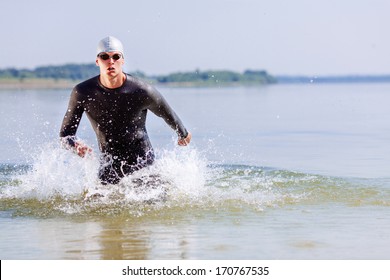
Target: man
116, 105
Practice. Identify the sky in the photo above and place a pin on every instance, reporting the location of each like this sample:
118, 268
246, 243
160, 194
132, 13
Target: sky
283, 37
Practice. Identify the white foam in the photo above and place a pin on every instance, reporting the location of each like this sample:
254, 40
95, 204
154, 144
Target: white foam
180, 177
56, 172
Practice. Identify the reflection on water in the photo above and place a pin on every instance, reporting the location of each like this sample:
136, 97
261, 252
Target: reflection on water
280, 172
210, 211
287, 233
120, 239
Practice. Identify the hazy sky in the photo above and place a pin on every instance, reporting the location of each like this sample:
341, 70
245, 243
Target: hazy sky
311, 37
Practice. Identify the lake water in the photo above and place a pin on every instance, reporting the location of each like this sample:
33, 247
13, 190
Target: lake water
273, 172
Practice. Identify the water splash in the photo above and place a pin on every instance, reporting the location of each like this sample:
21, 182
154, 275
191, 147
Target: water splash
54, 172
59, 182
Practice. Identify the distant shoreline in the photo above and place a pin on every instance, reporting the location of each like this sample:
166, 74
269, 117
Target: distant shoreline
50, 83
68, 75
47, 83
348, 79
37, 84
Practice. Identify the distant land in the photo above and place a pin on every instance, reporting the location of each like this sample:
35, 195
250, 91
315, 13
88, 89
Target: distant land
334, 79
67, 75
62, 75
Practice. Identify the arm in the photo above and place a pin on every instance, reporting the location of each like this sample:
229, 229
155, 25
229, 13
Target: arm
70, 124
159, 106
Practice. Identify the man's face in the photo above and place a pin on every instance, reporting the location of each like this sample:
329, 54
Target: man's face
110, 63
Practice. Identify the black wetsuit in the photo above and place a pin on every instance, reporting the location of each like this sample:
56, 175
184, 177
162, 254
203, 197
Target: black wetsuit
118, 118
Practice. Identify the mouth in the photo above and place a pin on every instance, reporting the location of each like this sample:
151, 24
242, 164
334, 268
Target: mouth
111, 69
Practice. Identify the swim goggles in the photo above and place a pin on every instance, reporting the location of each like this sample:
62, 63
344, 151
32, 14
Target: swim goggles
105, 56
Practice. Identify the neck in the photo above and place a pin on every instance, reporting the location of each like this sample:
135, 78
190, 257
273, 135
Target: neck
113, 81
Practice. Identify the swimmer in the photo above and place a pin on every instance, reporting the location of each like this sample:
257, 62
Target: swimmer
116, 105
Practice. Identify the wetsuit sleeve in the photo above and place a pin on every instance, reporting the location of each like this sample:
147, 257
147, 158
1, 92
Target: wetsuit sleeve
72, 119
159, 106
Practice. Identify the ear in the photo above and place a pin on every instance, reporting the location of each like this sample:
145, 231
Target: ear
97, 62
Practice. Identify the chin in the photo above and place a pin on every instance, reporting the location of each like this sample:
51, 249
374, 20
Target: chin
113, 73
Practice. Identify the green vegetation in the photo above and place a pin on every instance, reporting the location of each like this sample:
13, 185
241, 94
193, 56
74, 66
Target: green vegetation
79, 72
67, 71
217, 77
69, 74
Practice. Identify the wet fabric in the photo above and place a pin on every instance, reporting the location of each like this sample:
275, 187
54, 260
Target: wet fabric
118, 117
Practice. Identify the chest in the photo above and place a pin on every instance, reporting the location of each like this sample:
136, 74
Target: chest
114, 105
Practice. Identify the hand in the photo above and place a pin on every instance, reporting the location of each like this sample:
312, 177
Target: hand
185, 141
82, 149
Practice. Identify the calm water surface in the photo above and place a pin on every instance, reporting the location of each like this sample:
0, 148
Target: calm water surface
274, 172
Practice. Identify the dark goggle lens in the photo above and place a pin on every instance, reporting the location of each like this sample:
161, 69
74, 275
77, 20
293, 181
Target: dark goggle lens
105, 56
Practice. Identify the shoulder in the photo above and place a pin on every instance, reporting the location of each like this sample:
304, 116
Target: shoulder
87, 85
139, 84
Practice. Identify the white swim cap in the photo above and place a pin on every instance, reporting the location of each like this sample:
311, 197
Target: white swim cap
109, 44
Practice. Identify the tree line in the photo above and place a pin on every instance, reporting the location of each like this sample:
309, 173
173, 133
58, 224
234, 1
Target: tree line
221, 76
78, 72
67, 71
